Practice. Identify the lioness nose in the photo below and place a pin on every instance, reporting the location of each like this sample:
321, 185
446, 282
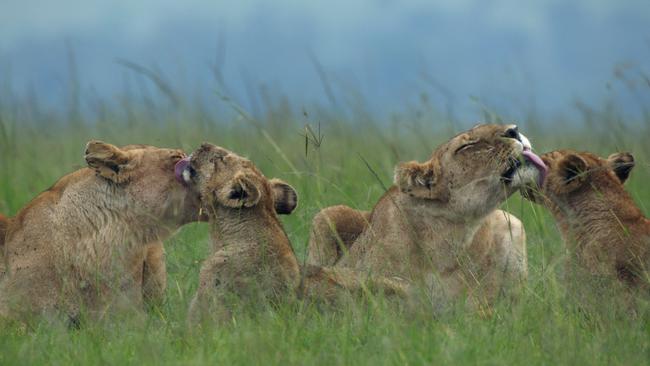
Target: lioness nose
513, 133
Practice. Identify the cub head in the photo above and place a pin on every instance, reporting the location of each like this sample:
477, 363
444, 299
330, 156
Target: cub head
571, 172
146, 174
225, 179
474, 172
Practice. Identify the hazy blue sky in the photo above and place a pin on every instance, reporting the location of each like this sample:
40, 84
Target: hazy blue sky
507, 52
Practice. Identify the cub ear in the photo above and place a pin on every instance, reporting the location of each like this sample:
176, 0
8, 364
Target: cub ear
622, 164
285, 197
242, 191
107, 160
573, 171
420, 180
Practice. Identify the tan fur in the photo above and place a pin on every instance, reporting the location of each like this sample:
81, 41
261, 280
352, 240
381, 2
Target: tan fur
438, 226
82, 243
333, 231
607, 233
331, 284
252, 260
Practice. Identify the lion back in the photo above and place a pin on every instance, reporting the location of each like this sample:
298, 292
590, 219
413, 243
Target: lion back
4, 223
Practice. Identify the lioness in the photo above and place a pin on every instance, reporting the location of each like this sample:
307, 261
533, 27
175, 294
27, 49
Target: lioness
438, 224
82, 243
252, 258
607, 233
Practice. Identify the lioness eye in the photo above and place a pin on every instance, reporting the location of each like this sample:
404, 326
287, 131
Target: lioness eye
466, 146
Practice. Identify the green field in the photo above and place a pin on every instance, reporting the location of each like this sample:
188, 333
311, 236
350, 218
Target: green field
349, 161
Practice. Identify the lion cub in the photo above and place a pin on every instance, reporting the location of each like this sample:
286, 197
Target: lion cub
607, 233
252, 257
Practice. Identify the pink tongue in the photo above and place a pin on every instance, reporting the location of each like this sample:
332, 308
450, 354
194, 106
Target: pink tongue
179, 168
538, 163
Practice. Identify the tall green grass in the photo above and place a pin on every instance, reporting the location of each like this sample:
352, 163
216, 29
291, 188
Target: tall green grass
331, 155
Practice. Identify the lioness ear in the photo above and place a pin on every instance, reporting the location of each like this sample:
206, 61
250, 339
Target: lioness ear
622, 164
573, 171
420, 180
241, 191
285, 197
107, 160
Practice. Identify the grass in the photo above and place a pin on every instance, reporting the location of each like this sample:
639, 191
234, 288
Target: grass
333, 161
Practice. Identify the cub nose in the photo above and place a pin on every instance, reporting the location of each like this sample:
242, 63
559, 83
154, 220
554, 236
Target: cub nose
513, 133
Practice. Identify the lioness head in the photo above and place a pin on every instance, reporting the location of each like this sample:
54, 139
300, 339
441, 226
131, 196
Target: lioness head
474, 172
226, 179
570, 173
146, 174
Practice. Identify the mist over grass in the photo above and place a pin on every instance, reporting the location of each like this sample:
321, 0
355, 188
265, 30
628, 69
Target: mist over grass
504, 51
338, 153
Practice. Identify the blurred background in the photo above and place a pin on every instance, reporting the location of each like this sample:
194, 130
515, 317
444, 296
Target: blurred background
459, 60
